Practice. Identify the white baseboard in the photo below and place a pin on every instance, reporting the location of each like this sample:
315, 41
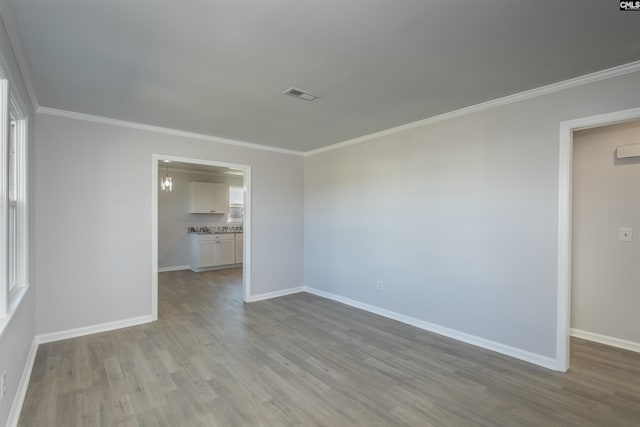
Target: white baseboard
607, 340
21, 392
175, 268
527, 356
217, 267
275, 294
94, 329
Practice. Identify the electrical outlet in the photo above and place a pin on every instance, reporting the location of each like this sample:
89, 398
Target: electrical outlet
3, 384
379, 285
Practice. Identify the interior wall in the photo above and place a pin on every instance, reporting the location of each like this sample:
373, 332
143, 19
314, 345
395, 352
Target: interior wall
174, 217
606, 196
94, 224
459, 218
17, 337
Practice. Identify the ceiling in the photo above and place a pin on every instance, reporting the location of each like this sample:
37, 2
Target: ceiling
220, 67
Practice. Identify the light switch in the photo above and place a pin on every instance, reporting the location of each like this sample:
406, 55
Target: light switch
625, 234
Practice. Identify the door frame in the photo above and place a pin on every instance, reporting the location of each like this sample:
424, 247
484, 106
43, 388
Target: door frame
246, 225
565, 221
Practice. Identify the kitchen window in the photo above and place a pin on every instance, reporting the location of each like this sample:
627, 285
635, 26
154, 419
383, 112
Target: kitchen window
236, 204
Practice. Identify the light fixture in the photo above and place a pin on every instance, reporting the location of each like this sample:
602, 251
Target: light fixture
166, 183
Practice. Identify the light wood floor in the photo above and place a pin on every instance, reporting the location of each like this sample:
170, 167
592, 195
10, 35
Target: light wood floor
301, 360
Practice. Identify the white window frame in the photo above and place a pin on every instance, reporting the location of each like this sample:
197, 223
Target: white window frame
4, 134
11, 106
13, 219
235, 205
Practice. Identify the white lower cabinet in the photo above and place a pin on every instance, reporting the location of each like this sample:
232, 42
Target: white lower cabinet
239, 248
212, 250
207, 256
226, 251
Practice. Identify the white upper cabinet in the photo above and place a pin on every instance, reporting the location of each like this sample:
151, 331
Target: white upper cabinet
221, 198
208, 198
200, 197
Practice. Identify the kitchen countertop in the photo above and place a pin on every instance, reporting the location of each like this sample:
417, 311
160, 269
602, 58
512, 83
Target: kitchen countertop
201, 230
215, 232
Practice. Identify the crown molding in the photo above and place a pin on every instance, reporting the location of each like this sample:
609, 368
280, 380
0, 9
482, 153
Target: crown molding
521, 96
158, 129
8, 18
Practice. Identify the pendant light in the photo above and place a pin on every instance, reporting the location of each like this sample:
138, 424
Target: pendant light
166, 183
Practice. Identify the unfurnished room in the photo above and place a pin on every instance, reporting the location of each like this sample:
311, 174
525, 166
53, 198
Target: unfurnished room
319, 213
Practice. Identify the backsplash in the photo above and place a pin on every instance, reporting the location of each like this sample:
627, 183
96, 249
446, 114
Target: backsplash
216, 229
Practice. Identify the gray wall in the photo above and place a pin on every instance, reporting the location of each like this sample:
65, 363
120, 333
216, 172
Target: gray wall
94, 218
174, 216
17, 337
458, 218
606, 196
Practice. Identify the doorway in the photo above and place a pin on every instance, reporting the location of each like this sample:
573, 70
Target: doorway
565, 255
197, 177
606, 254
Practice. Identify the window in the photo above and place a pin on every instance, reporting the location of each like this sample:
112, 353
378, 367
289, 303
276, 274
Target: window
13, 201
12, 207
236, 204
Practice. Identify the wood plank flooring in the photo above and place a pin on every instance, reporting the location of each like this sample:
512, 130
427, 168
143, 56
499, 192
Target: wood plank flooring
301, 360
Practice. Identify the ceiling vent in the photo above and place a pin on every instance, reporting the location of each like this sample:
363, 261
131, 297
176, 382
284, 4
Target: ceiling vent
300, 94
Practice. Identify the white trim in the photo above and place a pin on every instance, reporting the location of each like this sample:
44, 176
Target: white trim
607, 340
12, 103
517, 353
15, 298
175, 268
276, 294
4, 138
159, 129
247, 233
620, 70
94, 329
246, 227
563, 296
21, 392
154, 237
215, 268
22, 191
565, 168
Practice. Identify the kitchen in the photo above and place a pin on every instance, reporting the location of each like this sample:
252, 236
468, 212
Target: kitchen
200, 214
